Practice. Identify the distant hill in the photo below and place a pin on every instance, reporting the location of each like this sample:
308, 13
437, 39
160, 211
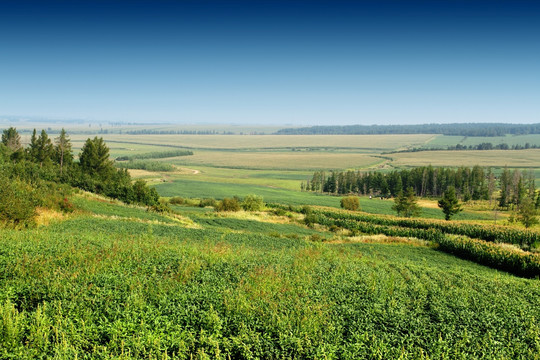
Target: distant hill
461, 129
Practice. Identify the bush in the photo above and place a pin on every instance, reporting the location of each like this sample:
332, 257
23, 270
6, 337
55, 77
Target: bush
350, 203
177, 200
17, 203
253, 203
160, 207
208, 202
228, 204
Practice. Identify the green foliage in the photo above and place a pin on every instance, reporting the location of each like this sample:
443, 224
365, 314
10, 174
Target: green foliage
11, 139
405, 204
253, 203
145, 165
228, 204
18, 201
94, 159
528, 214
177, 200
100, 288
350, 203
208, 202
449, 203
156, 155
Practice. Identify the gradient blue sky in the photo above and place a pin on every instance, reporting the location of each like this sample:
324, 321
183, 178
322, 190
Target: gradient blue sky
272, 62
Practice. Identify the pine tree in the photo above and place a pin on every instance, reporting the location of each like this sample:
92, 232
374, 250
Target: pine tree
63, 150
44, 149
94, 158
33, 147
405, 204
449, 203
12, 139
527, 213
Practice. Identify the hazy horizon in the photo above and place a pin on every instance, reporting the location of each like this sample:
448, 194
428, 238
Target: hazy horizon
271, 63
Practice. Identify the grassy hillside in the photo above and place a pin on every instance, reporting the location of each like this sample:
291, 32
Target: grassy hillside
118, 282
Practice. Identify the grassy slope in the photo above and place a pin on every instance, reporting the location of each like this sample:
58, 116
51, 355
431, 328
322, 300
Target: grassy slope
200, 189
144, 287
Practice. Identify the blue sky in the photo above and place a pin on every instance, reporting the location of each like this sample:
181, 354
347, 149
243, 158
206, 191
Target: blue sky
271, 62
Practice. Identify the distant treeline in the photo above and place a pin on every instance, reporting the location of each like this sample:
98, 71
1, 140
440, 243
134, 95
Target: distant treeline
468, 129
475, 183
145, 165
156, 155
482, 146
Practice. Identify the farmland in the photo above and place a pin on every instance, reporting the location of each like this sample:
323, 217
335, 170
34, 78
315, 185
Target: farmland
183, 280
117, 281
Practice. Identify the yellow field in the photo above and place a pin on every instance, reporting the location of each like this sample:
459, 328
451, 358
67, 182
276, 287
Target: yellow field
367, 142
495, 158
278, 160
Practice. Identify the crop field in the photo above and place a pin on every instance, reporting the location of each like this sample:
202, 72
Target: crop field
445, 140
496, 158
279, 160
368, 143
96, 285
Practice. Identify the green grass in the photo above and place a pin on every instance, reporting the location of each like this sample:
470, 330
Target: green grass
103, 288
200, 189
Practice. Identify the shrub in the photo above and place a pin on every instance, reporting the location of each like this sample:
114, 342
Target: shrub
177, 200
228, 204
17, 203
253, 203
350, 203
160, 207
208, 202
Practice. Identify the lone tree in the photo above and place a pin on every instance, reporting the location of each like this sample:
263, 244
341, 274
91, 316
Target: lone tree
449, 203
527, 214
405, 204
63, 150
350, 203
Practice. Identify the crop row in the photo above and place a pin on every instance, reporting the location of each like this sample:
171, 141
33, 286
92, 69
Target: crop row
482, 252
490, 233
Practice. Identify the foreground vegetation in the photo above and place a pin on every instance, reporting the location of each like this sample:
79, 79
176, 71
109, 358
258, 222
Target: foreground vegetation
99, 286
228, 276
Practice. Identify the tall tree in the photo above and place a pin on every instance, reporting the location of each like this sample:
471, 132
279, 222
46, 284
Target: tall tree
44, 148
12, 139
63, 150
405, 204
33, 147
449, 203
528, 213
94, 158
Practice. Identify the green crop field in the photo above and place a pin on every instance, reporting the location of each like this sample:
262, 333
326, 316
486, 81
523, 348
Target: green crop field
117, 282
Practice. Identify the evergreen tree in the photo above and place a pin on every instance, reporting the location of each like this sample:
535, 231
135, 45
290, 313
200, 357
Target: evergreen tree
405, 204
33, 147
44, 149
11, 139
527, 213
450, 203
94, 158
62, 150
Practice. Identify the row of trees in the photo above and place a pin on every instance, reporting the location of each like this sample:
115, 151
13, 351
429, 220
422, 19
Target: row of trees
53, 161
476, 183
482, 146
461, 129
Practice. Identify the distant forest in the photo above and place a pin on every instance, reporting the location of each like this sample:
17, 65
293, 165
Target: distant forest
468, 129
